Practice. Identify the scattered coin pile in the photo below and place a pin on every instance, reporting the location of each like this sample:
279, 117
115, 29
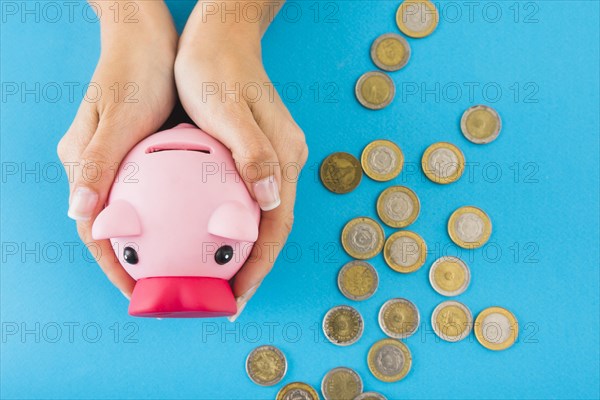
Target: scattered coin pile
404, 251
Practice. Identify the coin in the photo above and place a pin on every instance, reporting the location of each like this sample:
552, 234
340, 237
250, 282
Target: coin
341, 384
452, 321
362, 238
358, 280
266, 365
390, 52
297, 391
481, 124
496, 328
469, 227
399, 318
389, 360
405, 251
343, 325
370, 396
443, 163
449, 276
375, 90
382, 160
417, 19
398, 206
340, 172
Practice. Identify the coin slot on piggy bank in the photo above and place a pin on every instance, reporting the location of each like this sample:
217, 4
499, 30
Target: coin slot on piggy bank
182, 234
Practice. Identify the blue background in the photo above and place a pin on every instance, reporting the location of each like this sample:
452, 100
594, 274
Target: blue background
542, 262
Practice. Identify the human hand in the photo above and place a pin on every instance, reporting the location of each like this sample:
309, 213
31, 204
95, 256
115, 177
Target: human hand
216, 63
132, 93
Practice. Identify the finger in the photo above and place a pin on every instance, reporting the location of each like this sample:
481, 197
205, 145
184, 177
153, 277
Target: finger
233, 124
104, 255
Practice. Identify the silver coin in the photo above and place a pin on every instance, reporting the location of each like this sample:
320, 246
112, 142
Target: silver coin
343, 325
370, 396
443, 276
341, 384
457, 325
396, 52
399, 318
378, 94
266, 365
481, 124
358, 280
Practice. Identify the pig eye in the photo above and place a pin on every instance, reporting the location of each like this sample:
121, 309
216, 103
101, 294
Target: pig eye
224, 254
130, 255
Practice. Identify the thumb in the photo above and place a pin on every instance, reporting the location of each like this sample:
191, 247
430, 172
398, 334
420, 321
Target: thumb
234, 126
96, 171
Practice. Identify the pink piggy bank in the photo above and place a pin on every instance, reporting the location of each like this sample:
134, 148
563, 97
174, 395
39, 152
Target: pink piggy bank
182, 223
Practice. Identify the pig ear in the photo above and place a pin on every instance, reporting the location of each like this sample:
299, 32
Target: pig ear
233, 220
116, 220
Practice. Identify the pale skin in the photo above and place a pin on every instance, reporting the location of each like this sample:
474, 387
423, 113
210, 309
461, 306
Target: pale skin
260, 132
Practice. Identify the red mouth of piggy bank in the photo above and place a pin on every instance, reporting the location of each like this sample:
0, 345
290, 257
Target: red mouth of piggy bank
182, 297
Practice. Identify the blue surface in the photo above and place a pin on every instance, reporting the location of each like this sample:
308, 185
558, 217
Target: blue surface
545, 216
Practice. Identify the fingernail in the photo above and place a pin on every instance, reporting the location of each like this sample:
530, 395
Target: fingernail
241, 302
124, 295
266, 192
83, 203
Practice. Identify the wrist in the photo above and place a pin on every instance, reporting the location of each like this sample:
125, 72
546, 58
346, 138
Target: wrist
124, 21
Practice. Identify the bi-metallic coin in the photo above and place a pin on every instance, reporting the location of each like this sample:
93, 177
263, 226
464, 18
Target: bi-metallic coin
449, 276
405, 251
362, 238
375, 90
390, 52
443, 163
496, 328
343, 325
341, 384
389, 360
297, 391
398, 206
358, 280
469, 227
382, 160
399, 318
452, 321
417, 18
480, 124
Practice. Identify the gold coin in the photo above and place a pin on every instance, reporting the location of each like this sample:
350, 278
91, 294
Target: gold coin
382, 160
496, 328
399, 318
469, 227
449, 276
389, 360
343, 325
297, 391
341, 384
266, 365
375, 90
340, 172
405, 251
443, 163
452, 321
481, 124
358, 280
398, 206
362, 238
418, 18
370, 396
390, 52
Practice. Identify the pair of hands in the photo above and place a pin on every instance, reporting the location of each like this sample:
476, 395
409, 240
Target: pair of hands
212, 67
